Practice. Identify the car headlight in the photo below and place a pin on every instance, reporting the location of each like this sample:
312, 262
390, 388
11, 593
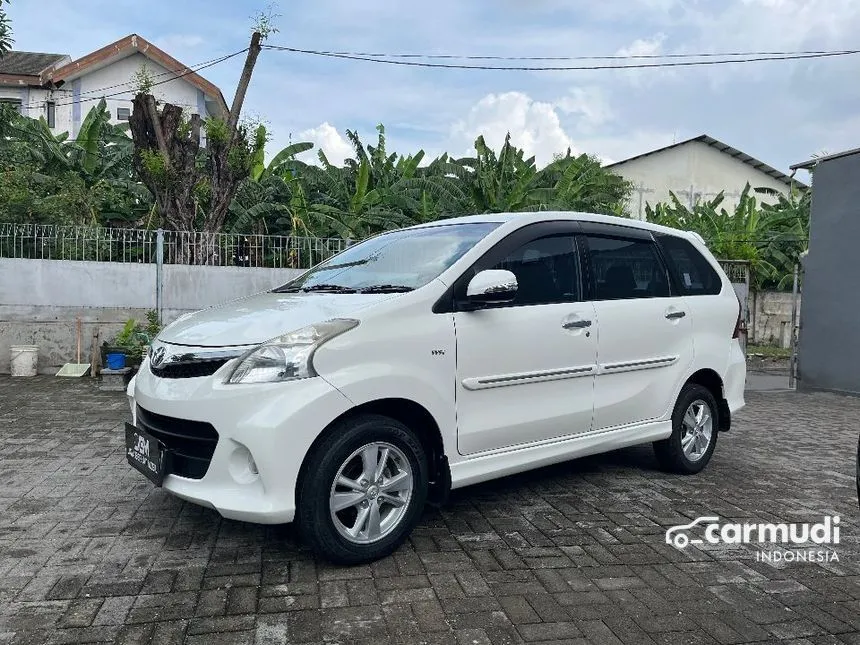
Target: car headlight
288, 357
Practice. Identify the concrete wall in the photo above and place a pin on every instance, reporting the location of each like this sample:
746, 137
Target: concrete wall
40, 300
773, 318
707, 170
829, 350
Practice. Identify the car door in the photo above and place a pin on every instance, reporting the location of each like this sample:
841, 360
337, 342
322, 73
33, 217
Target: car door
525, 369
644, 342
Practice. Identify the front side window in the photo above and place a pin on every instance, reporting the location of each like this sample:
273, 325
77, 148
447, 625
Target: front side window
622, 269
51, 114
123, 114
397, 261
693, 274
546, 270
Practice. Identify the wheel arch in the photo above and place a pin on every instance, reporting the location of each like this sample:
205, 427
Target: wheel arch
414, 416
713, 382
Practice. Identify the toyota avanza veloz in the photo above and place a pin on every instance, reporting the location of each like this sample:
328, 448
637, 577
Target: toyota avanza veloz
435, 357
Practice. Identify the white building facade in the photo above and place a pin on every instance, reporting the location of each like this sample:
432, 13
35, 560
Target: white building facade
697, 170
64, 90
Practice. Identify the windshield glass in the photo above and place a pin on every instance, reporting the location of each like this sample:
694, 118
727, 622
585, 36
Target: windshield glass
398, 261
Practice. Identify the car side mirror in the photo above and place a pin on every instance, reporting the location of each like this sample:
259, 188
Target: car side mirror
491, 287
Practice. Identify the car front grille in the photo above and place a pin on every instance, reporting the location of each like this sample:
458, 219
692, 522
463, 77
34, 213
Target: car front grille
191, 443
188, 370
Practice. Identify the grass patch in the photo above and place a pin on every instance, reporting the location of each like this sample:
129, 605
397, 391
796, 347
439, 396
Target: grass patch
768, 351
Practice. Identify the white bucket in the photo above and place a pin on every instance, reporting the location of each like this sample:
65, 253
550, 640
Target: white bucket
24, 360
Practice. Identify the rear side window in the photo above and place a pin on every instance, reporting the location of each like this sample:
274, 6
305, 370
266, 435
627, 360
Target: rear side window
693, 273
625, 268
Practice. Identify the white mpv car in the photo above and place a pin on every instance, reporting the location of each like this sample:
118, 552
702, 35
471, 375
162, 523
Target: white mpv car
435, 357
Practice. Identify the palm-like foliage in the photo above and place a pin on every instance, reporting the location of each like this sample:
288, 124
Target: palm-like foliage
52, 179
769, 236
86, 180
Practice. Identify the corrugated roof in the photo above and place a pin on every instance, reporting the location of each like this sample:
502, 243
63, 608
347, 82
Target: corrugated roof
809, 165
724, 148
28, 63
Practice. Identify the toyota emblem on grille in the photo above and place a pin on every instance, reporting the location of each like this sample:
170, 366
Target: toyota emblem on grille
157, 356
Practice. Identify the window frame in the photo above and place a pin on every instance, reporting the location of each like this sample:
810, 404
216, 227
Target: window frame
676, 278
119, 118
641, 236
16, 103
51, 114
453, 299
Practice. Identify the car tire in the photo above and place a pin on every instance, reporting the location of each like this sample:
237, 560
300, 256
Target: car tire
695, 426
347, 512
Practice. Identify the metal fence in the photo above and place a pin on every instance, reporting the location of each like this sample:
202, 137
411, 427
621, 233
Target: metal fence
99, 244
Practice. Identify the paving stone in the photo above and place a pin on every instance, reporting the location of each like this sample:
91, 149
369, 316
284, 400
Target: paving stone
572, 553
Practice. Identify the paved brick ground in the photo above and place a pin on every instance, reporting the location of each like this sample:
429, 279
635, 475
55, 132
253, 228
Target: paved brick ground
90, 552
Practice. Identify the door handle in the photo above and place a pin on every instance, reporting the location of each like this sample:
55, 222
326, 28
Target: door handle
672, 315
576, 324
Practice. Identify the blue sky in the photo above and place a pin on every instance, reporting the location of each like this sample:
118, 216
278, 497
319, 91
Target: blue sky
779, 112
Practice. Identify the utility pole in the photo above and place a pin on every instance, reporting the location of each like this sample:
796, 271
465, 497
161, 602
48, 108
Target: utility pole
244, 80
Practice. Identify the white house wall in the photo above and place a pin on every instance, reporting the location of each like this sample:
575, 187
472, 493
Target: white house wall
696, 166
91, 87
34, 103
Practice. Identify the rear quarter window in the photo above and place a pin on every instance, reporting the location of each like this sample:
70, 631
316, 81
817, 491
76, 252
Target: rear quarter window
693, 274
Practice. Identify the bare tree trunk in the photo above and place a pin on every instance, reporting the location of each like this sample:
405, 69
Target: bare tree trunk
182, 187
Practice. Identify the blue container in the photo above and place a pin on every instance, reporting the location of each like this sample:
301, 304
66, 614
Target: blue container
115, 361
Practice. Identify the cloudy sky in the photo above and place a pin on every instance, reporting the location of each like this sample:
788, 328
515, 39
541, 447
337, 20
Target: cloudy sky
779, 112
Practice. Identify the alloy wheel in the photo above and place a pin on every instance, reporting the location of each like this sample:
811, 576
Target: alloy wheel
698, 427
371, 492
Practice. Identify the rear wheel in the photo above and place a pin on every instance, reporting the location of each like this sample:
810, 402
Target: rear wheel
695, 423
364, 490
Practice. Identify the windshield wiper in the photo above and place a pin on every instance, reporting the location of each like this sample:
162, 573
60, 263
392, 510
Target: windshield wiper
334, 288
386, 288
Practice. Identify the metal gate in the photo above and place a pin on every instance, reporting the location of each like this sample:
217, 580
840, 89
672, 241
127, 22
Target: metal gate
739, 275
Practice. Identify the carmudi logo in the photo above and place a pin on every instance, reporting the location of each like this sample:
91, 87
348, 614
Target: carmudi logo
779, 542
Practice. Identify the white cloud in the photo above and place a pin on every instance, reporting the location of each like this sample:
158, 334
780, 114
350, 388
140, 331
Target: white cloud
325, 137
643, 46
589, 105
534, 126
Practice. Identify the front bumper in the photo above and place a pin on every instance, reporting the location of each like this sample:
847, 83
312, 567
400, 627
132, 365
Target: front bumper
273, 423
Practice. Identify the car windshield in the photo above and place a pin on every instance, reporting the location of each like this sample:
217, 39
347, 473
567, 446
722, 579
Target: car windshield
392, 262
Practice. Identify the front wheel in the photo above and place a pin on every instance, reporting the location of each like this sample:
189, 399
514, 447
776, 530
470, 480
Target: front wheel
363, 491
695, 423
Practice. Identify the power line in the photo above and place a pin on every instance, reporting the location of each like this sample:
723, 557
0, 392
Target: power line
569, 58
93, 95
528, 68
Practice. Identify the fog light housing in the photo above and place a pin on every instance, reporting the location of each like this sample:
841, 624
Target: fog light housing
241, 465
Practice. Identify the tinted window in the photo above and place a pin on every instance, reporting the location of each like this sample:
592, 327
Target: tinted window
546, 270
623, 268
693, 273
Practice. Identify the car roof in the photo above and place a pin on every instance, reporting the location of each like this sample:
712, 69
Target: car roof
548, 216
